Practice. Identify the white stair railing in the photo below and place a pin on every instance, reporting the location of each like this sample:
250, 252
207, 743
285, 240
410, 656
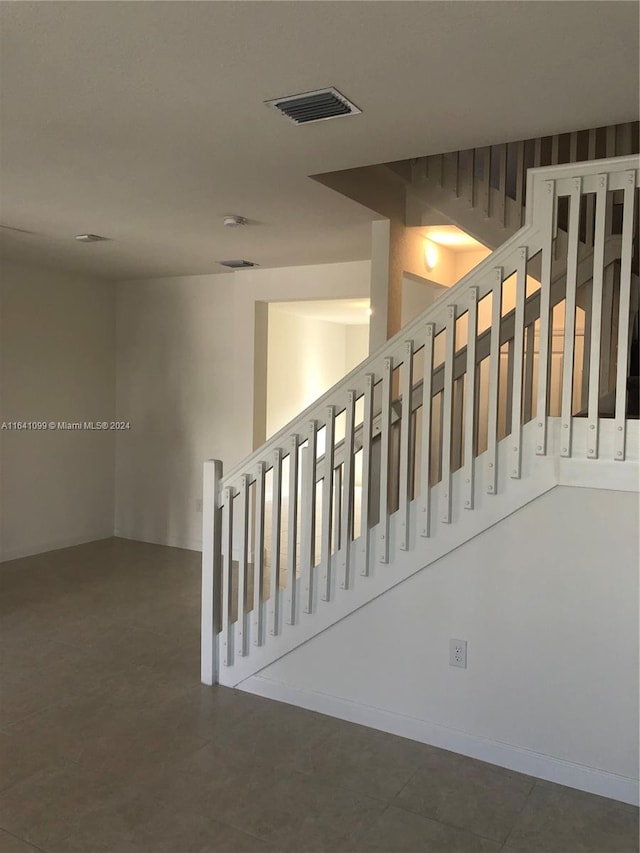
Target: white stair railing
491, 181
438, 421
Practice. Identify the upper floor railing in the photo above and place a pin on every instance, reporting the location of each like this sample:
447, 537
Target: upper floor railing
492, 180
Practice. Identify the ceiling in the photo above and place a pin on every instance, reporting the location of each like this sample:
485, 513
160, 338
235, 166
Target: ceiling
145, 122
346, 312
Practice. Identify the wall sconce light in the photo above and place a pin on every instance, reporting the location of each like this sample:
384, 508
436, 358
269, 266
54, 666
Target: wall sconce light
430, 255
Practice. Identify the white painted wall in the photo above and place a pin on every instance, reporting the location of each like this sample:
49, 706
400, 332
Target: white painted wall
56, 364
186, 368
548, 602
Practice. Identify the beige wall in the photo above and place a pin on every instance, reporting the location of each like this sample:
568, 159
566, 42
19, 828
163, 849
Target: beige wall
56, 364
186, 369
254, 288
306, 356
174, 345
406, 255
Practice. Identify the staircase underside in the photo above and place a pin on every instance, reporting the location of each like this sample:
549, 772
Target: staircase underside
539, 475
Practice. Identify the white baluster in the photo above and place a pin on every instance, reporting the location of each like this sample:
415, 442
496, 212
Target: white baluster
367, 425
593, 417
227, 578
211, 570
470, 400
518, 364
623, 318
405, 446
447, 411
544, 361
292, 533
327, 504
425, 475
257, 616
242, 624
494, 378
308, 510
566, 412
275, 609
346, 528
385, 451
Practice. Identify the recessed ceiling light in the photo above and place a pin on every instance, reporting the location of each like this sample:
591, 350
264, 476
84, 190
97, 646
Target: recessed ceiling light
90, 238
320, 105
233, 220
237, 264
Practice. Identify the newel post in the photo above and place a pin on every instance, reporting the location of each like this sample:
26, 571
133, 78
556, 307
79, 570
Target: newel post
211, 570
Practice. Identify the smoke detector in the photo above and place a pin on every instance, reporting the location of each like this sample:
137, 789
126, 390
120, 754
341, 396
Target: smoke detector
90, 238
233, 221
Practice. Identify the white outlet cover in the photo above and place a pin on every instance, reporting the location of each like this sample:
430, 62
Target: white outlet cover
458, 653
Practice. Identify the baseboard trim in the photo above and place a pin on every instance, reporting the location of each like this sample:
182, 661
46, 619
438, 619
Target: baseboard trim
526, 761
53, 545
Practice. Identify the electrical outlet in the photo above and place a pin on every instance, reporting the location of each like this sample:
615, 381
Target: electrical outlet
458, 653
198, 504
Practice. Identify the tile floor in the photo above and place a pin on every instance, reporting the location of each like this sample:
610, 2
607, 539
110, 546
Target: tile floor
108, 744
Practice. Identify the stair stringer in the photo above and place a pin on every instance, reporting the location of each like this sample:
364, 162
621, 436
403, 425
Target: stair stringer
539, 475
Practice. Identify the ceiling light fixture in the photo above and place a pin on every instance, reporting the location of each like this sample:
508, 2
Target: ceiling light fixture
232, 221
430, 255
90, 238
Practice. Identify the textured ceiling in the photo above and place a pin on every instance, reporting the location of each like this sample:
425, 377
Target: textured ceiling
145, 121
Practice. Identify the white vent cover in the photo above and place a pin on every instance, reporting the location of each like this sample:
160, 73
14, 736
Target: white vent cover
237, 264
320, 105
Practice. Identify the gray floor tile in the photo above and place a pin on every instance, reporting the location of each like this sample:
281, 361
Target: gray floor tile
362, 759
399, 831
21, 757
140, 825
471, 795
295, 813
561, 820
100, 738
109, 744
44, 808
11, 844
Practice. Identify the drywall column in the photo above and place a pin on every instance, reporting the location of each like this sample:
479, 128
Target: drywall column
261, 337
395, 250
380, 252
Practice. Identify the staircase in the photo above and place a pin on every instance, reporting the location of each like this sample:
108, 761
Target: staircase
514, 381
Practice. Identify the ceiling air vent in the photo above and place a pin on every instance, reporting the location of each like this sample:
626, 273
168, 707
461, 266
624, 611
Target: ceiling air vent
314, 106
237, 265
